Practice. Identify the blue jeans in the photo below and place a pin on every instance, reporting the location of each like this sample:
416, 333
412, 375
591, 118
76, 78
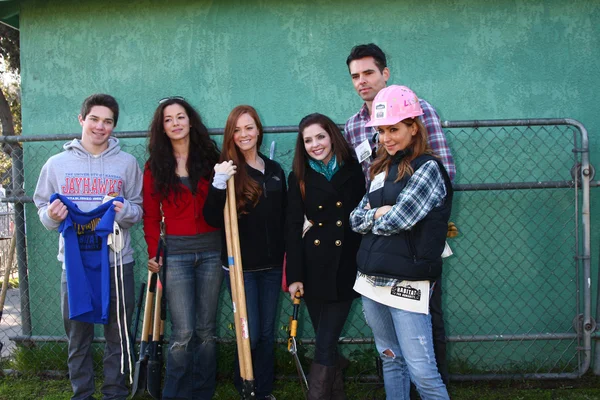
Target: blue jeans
262, 294
80, 336
405, 344
193, 284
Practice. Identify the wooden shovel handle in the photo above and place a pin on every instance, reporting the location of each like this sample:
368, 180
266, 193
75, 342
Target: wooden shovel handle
157, 320
146, 327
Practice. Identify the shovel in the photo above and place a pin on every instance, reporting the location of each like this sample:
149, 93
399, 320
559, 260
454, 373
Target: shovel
238, 293
139, 376
137, 314
155, 361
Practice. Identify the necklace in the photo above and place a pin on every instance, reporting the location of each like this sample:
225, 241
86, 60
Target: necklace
258, 164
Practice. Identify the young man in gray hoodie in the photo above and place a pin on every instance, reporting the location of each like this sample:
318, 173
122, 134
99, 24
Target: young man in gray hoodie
86, 171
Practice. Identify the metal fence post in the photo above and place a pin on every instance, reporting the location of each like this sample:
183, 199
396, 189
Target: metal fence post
588, 325
18, 175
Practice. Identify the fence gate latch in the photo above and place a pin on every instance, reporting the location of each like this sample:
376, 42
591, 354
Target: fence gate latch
577, 173
578, 324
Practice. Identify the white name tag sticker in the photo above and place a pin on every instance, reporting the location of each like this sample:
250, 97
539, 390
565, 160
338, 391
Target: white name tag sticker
363, 151
377, 182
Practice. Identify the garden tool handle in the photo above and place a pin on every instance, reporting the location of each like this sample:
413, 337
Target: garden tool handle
157, 314
297, 297
147, 324
294, 318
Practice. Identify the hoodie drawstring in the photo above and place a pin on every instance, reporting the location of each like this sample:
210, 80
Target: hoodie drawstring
120, 294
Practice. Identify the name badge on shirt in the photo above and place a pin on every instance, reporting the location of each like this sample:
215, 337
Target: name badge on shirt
377, 182
363, 151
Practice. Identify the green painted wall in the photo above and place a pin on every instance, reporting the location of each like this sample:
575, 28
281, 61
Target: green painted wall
470, 59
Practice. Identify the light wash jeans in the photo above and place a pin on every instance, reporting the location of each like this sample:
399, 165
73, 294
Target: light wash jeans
193, 284
408, 336
80, 336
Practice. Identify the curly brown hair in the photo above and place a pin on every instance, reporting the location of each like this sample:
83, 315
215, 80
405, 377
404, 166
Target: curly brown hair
202, 156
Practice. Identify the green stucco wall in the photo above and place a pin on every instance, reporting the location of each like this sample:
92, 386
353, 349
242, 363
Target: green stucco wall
470, 59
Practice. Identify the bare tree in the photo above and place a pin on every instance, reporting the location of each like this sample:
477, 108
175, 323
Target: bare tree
11, 54
10, 104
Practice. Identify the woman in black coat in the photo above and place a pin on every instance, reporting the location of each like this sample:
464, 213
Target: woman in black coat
324, 187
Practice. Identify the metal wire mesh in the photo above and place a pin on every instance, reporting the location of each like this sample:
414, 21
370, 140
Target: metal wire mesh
512, 299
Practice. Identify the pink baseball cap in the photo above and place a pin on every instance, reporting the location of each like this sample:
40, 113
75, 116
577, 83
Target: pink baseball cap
394, 104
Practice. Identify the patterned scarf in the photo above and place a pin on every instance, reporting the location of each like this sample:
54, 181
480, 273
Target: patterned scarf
326, 170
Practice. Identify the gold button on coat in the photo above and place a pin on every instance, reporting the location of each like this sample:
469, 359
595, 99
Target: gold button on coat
339, 223
317, 242
320, 224
320, 207
338, 204
338, 243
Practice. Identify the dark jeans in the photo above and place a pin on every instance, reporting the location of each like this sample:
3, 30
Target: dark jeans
439, 331
81, 334
262, 293
328, 319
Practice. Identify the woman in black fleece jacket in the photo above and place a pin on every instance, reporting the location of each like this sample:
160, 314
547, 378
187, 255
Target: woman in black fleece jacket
261, 200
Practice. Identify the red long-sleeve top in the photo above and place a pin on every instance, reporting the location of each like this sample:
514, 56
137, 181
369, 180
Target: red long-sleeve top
183, 213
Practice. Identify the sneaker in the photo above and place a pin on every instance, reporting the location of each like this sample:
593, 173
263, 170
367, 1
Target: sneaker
270, 397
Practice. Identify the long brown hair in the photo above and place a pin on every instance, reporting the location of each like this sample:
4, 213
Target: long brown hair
339, 146
247, 190
417, 146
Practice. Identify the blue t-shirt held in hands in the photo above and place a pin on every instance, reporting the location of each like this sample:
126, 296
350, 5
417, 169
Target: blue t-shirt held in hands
87, 261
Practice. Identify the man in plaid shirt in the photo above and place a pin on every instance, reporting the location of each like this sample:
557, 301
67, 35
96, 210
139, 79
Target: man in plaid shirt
368, 69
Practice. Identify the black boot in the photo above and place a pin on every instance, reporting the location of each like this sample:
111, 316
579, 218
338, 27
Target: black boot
320, 382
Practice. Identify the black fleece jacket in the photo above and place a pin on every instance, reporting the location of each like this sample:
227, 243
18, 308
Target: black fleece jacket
261, 229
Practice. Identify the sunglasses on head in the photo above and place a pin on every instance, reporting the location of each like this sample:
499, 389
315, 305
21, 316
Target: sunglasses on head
170, 98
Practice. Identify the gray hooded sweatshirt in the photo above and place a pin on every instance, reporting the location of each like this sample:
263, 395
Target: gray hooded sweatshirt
85, 179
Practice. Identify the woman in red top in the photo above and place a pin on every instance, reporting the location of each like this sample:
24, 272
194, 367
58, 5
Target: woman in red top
176, 175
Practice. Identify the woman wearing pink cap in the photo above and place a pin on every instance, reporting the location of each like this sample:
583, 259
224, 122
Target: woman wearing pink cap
404, 220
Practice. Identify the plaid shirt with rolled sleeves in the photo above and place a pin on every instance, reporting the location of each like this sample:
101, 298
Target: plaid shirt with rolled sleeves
424, 191
356, 132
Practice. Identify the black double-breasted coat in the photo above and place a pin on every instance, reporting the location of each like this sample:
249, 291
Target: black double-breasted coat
325, 259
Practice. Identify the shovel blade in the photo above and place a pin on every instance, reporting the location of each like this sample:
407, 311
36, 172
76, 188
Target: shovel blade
154, 378
139, 379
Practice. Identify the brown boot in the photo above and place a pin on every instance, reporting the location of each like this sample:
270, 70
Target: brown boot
342, 362
320, 382
337, 393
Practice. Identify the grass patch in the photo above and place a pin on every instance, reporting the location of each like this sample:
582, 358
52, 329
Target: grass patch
31, 360
34, 358
586, 388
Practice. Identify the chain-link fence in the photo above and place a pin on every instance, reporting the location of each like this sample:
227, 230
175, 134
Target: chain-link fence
517, 301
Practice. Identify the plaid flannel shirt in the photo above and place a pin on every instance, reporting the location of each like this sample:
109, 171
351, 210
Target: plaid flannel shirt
356, 132
424, 191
